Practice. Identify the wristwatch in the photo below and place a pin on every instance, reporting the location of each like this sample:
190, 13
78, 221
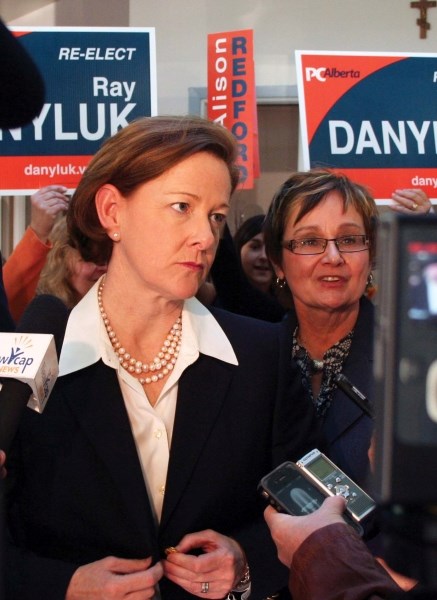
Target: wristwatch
244, 584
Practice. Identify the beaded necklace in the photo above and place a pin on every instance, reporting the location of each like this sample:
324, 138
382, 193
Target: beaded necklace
163, 362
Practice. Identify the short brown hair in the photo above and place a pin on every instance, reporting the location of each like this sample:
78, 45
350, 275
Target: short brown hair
142, 151
309, 188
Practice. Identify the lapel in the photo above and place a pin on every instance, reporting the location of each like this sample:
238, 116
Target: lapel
202, 391
358, 368
95, 399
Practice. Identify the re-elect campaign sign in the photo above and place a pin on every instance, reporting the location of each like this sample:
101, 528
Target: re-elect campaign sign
97, 80
371, 115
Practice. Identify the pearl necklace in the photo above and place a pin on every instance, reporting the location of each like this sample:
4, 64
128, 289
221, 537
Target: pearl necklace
163, 362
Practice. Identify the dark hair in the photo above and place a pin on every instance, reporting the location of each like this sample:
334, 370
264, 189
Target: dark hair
142, 151
308, 189
248, 230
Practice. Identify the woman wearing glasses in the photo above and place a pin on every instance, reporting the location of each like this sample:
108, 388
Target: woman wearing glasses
320, 237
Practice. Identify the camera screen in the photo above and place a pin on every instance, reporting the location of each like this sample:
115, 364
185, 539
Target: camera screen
415, 321
321, 468
422, 280
297, 495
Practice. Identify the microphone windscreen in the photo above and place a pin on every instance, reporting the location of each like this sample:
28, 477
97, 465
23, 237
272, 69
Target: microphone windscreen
22, 90
45, 314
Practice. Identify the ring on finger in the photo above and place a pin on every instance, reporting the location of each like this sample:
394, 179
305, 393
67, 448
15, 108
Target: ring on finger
414, 206
204, 587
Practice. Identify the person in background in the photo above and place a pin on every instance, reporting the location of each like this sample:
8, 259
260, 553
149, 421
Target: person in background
249, 241
320, 237
65, 274
22, 269
326, 557
228, 286
165, 414
411, 200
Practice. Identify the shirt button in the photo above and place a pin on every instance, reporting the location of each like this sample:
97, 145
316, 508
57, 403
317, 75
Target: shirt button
157, 433
162, 490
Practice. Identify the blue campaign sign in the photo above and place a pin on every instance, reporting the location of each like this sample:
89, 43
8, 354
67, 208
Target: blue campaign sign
97, 81
394, 128
371, 115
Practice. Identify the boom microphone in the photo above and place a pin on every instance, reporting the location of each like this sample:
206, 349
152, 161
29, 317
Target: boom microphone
29, 363
22, 90
354, 394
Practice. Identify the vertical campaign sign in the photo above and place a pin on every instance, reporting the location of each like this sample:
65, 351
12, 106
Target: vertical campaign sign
97, 80
371, 115
232, 97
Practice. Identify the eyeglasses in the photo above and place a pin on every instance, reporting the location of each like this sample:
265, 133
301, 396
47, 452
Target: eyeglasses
346, 243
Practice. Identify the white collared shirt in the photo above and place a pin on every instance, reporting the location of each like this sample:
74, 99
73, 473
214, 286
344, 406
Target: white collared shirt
86, 342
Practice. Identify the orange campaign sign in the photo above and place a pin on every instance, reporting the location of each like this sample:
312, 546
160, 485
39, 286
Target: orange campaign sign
232, 98
359, 115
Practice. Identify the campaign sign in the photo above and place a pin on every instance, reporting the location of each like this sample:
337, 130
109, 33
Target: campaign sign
373, 116
97, 80
232, 98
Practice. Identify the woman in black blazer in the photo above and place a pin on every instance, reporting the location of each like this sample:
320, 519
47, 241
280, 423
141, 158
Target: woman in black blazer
142, 472
320, 236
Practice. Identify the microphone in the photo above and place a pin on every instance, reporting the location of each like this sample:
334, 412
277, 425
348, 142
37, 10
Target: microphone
29, 363
354, 394
22, 89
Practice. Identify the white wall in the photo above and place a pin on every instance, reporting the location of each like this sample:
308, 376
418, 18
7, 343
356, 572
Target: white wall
280, 27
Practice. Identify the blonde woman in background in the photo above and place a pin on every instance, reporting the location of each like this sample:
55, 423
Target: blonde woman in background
65, 274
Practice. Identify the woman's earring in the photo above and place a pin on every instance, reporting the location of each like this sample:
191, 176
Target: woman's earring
371, 287
116, 236
281, 283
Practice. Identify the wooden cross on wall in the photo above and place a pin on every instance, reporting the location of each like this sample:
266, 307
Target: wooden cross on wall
422, 21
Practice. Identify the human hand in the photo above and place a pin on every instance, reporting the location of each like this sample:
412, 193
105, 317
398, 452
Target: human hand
3, 471
289, 532
115, 578
219, 568
47, 203
371, 453
411, 201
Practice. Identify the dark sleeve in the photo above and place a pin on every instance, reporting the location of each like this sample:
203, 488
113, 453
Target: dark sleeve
333, 562
31, 577
6, 321
28, 575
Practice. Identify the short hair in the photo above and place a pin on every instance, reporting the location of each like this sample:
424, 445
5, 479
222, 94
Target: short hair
141, 152
309, 188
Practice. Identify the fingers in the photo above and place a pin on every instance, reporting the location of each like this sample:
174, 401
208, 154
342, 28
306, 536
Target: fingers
333, 506
115, 578
214, 583
127, 565
3, 471
211, 574
47, 203
289, 532
411, 201
49, 197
